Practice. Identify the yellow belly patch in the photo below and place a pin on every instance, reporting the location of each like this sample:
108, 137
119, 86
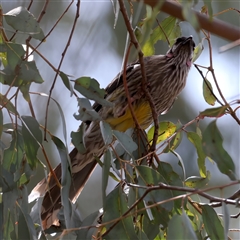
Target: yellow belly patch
142, 113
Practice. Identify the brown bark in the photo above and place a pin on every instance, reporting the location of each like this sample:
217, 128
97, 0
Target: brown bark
215, 26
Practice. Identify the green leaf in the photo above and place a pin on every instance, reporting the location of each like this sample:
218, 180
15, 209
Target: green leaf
32, 137
197, 182
29, 72
226, 219
86, 112
114, 208
14, 154
1, 123
85, 232
105, 172
77, 139
180, 227
22, 20
207, 92
65, 179
66, 82
214, 112
26, 229
24, 73
106, 131
168, 27
15, 53
89, 87
175, 141
166, 129
150, 177
197, 51
4, 102
208, 4
213, 148
25, 92
212, 223
127, 143
195, 139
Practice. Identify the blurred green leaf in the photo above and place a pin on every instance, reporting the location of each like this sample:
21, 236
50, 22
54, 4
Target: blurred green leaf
1, 123
226, 219
86, 112
66, 179
66, 82
24, 73
197, 142
208, 5
4, 102
89, 87
150, 177
30, 73
169, 28
180, 227
197, 51
8, 225
214, 112
25, 92
175, 141
32, 137
127, 143
22, 20
189, 15
197, 182
212, 223
14, 154
166, 129
85, 232
77, 139
114, 208
26, 229
15, 53
106, 132
213, 148
105, 172
207, 92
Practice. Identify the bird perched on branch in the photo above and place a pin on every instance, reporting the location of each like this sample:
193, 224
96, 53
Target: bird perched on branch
166, 77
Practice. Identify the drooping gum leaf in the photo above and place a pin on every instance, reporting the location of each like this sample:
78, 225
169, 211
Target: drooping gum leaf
207, 92
22, 20
89, 87
212, 146
214, 112
212, 223
180, 227
127, 143
197, 142
197, 182
114, 208
32, 136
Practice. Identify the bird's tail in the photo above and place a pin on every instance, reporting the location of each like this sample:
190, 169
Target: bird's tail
82, 168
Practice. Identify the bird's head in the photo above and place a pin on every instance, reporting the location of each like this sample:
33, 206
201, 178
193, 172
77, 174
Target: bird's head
182, 50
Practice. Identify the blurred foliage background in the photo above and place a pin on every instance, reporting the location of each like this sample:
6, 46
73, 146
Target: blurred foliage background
97, 50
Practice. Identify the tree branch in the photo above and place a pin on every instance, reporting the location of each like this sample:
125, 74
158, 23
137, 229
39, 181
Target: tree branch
215, 26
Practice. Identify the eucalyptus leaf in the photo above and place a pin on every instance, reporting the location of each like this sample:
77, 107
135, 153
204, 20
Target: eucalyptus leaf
213, 147
22, 20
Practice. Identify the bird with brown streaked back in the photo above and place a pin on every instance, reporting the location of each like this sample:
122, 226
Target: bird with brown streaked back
166, 77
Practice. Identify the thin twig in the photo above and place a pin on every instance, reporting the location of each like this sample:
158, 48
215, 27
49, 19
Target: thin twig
209, 88
54, 26
61, 61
